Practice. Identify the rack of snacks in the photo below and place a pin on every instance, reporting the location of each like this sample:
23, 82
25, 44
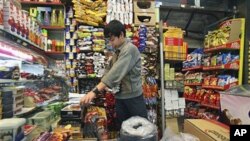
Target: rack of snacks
147, 44
221, 68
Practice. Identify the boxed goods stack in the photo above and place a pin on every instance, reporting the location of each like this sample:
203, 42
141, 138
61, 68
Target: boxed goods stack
144, 13
174, 46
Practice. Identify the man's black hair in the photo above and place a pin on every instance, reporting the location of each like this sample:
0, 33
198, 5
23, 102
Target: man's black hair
114, 28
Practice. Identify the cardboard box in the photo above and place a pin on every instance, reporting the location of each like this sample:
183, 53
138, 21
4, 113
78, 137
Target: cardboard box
207, 130
11, 15
144, 6
145, 18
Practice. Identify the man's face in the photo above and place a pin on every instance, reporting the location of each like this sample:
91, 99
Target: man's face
115, 41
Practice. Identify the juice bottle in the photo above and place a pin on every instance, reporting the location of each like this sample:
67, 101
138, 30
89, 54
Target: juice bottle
39, 17
46, 18
61, 18
53, 18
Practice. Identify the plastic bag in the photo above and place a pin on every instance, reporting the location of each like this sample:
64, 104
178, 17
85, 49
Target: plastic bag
170, 136
139, 129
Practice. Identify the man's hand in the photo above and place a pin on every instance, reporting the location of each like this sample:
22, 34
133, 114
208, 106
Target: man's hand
87, 98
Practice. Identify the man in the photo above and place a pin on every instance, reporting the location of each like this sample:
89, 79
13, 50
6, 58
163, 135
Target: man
124, 72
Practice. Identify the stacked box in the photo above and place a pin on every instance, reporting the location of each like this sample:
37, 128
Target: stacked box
174, 105
174, 46
144, 13
167, 71
11, 12
24, 24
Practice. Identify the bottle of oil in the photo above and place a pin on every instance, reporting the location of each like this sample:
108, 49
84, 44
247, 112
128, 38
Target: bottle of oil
60, 18
54, 18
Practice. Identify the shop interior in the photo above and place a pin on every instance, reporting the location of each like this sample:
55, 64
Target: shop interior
194, 69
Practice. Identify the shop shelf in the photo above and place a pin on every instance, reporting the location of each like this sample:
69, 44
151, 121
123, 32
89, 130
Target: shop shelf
192, 84
193, 68
22, 39
210, 106
220, 87
190, 99
54, 52
25, 111
230, 66
53, 27
174, 60
16, 81
41, 3
228, 46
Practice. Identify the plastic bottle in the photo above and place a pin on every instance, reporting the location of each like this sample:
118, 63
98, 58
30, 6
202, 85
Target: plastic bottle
46, 18
70, 13
39, 17
53, 18
49, 45
61, 18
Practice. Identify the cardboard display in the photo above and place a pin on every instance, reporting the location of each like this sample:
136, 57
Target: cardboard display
207, 130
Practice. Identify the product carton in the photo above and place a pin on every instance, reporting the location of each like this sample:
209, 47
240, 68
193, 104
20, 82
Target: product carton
207, 130
11, 16
144, 6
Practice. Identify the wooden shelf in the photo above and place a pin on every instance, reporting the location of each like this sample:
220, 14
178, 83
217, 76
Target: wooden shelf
235, 45
41, 3
54, 52
16, 81
190, 99
230, 66
53, 27
228, 86
193, 68
210, 106
174, 60
192, 84
22, 39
